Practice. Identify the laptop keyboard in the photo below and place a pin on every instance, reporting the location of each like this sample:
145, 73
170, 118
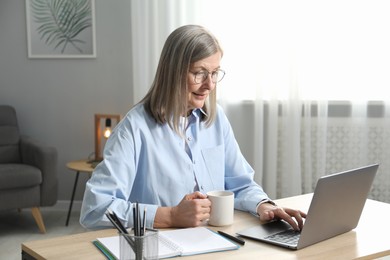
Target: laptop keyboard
290, 237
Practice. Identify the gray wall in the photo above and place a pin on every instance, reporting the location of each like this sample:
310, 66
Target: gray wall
56, 99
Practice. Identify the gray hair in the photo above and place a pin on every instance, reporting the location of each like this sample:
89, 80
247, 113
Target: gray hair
167, 100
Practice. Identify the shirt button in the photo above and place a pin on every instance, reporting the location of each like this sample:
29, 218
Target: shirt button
189, 139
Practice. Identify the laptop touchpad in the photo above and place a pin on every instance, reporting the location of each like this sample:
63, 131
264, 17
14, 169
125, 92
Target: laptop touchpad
267, 229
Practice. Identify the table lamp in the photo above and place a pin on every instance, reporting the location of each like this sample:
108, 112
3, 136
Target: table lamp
103, 128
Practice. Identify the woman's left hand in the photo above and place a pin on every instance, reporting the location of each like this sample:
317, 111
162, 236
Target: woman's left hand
268, 212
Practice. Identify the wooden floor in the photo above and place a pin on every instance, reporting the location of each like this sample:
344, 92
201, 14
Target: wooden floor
18, 227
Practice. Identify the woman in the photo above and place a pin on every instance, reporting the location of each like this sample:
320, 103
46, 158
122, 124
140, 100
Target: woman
176, 145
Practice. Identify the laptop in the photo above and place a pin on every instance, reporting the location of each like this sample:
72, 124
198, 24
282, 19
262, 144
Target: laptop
336, 206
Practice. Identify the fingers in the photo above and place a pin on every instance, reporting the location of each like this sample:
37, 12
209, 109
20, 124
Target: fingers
287, 217
195, 195
298, 216
192, 210
293, 217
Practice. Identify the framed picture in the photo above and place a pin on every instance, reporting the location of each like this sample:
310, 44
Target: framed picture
61, 28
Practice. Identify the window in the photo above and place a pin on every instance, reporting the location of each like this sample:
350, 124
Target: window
334, 50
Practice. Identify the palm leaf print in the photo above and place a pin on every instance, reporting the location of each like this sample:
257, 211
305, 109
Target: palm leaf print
61, 21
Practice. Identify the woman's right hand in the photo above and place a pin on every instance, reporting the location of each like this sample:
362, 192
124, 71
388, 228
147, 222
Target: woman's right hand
192, 211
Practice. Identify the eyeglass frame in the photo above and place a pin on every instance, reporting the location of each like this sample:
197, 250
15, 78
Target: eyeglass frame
206, 75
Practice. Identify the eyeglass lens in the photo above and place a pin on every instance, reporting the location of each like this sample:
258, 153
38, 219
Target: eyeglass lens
216, 76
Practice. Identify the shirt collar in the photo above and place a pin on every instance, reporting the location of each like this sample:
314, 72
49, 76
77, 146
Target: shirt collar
198, 111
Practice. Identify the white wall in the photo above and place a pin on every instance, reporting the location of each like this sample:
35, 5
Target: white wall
56, 99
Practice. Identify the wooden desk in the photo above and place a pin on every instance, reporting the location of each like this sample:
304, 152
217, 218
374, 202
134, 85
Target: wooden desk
358, 243
78, 166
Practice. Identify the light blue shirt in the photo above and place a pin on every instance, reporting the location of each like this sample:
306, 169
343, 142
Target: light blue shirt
150, 163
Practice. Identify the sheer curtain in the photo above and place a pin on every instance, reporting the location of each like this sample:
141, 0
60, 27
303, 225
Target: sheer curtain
152, 22
289, 61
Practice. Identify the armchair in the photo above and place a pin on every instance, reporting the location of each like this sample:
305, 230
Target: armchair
28, 170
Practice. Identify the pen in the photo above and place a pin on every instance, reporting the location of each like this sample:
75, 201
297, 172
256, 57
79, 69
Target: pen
134, 219
233, 238
144, 222
138, 232
118, 225
115, 221
137, 220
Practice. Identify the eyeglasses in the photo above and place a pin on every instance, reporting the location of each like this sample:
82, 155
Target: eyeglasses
201, 76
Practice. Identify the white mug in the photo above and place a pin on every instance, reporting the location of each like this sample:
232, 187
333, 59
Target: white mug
222, 207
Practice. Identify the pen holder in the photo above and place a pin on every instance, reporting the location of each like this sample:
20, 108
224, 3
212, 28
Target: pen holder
138, 247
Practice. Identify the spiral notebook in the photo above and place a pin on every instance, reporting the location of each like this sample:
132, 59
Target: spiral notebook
178, 242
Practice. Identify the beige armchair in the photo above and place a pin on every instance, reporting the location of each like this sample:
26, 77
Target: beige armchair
28, 170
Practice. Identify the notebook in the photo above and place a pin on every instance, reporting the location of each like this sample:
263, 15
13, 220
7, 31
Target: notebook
178, 242
336, 206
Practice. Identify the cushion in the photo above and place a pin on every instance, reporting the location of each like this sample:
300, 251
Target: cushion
19, 175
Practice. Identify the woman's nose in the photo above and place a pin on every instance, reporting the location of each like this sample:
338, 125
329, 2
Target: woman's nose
209, 82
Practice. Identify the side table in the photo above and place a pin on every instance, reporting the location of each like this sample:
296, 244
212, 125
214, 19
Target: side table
78, 166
